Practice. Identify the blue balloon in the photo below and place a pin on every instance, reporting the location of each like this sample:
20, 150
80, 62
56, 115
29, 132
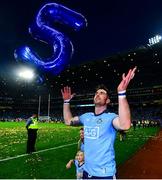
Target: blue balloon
39, 79
43, 31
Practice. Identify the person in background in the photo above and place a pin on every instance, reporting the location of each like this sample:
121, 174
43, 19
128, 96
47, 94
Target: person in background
79, 164
100, 128
32, 128
122, 135
81, 140
134, 124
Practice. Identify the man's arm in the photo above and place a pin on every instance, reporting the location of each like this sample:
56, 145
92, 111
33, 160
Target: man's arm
67, 113
67, 96
68, 118
123, 122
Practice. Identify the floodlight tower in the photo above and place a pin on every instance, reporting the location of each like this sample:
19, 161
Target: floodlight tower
26, 74
154, 40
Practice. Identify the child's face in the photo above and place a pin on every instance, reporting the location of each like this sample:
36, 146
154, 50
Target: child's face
80, 157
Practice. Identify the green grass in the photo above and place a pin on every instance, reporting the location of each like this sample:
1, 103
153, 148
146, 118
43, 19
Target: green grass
51, 164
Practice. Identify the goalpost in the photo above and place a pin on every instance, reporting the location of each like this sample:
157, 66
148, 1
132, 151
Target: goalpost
48, 108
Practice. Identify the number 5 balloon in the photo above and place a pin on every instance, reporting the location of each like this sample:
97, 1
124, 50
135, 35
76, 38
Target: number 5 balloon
43, 31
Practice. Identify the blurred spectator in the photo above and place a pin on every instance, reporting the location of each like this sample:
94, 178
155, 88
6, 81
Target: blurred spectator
122, 135
134, 124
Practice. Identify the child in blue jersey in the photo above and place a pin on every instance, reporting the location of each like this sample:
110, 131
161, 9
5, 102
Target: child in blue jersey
79, 164
100, 128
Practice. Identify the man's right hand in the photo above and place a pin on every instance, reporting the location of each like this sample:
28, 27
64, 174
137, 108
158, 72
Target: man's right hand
66, 93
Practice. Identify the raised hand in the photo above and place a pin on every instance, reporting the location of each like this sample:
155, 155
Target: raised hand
66, 93
126, 79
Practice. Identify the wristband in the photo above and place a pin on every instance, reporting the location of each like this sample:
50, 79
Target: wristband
67, 101
122, 94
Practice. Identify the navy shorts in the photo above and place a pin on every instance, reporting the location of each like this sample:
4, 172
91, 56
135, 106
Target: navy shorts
87, 176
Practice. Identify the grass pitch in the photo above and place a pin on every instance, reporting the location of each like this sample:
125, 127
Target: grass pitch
50, 164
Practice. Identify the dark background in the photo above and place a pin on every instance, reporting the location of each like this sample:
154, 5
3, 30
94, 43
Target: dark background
113, 26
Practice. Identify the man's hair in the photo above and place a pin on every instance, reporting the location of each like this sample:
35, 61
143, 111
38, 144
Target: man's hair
102, 86
81, 129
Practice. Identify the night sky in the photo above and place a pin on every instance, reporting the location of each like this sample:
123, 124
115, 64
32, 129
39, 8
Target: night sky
113, 26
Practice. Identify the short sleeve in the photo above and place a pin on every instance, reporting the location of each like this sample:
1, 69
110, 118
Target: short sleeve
81, 119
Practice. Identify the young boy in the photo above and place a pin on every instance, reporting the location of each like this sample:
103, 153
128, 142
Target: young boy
79, 164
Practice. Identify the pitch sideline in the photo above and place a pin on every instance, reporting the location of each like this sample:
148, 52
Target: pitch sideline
49, 149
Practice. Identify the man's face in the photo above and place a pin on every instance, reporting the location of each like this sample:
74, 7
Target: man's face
101, 97
82, 134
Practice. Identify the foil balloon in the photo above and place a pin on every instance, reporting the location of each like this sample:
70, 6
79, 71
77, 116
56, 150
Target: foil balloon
40, 79
42, 30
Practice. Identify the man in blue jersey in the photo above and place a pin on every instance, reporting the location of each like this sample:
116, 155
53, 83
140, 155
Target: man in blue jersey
81, 140
100, 128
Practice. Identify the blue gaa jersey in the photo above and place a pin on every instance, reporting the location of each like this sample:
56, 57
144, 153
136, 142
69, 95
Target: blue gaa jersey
99, 137
79, 170
82, 147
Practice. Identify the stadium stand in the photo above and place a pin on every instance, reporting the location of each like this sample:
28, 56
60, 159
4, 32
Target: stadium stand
19, 99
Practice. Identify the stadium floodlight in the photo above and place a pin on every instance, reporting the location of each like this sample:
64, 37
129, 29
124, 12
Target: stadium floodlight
27, 74
154, 40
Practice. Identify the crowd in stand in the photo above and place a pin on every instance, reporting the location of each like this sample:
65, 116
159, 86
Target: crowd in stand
145, 116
